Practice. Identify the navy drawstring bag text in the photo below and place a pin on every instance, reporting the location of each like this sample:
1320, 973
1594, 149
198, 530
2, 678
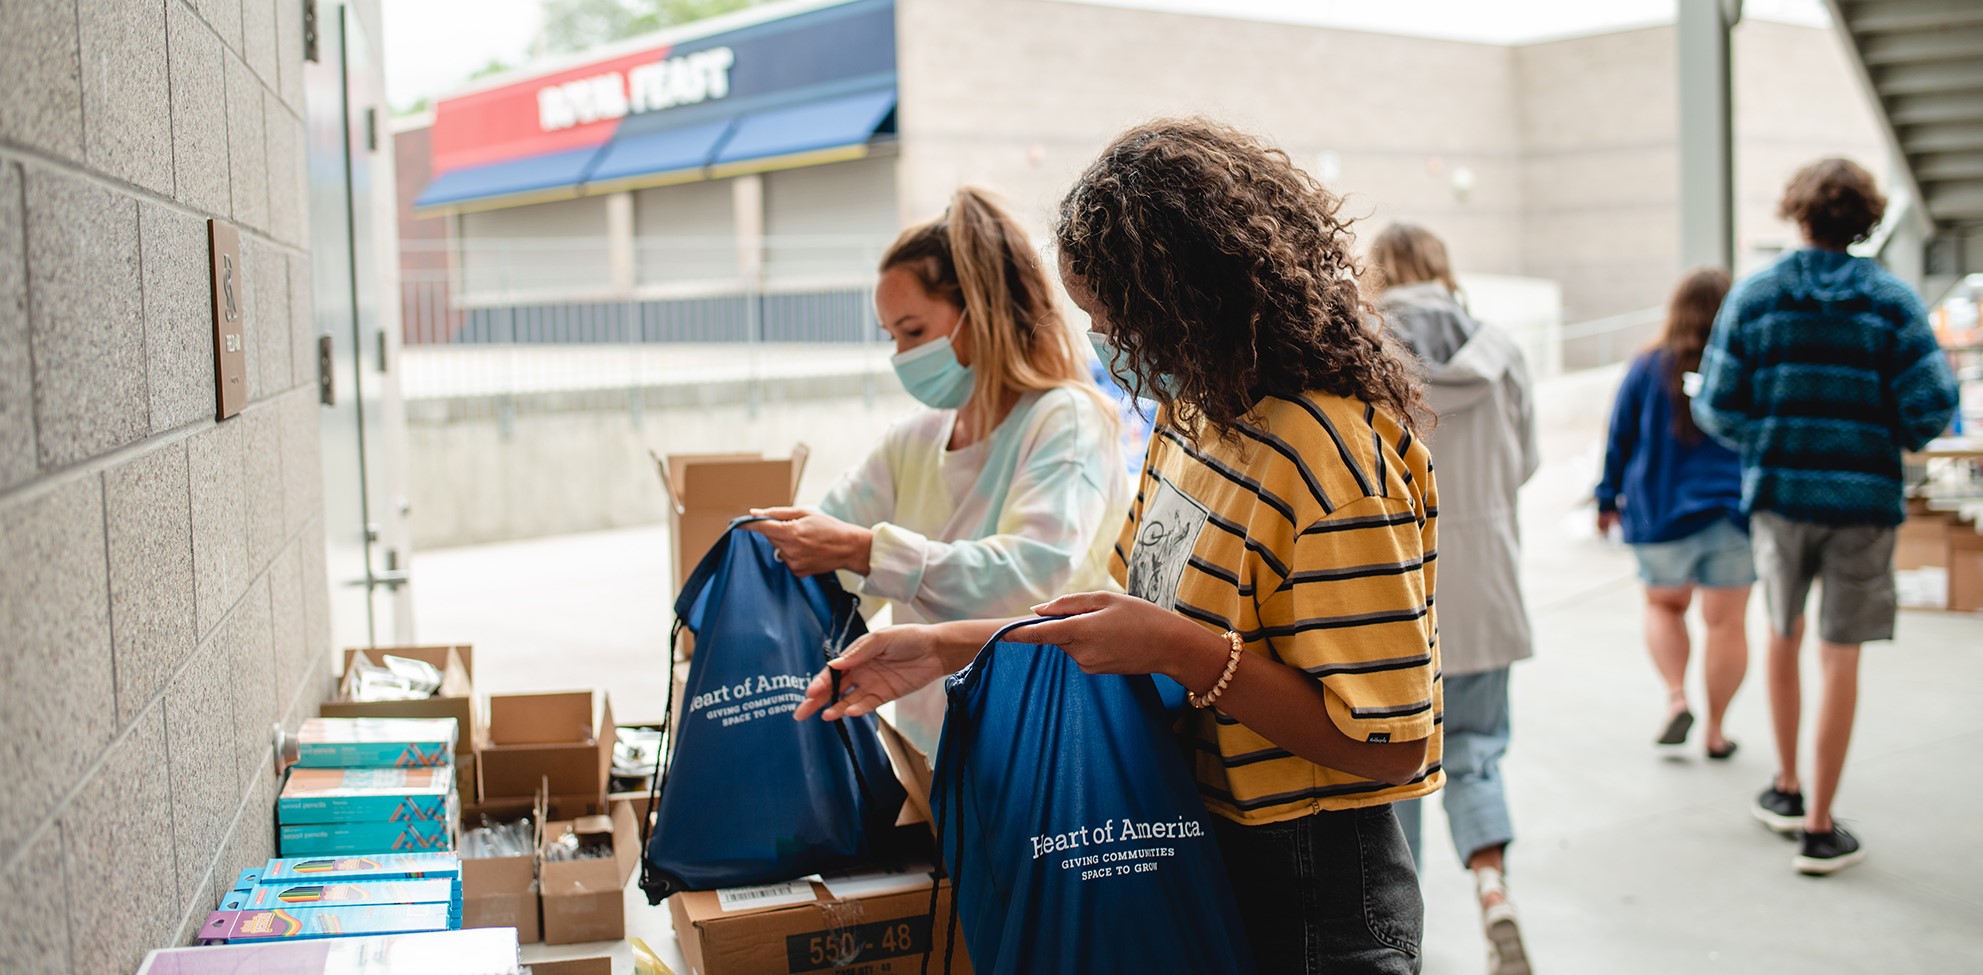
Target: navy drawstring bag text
750, 796
1071, 825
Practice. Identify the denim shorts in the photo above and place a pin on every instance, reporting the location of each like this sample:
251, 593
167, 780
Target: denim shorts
1331, 892
1716, 557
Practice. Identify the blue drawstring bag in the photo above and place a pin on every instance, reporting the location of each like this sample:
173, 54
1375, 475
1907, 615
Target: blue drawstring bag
1071, 825
750, 796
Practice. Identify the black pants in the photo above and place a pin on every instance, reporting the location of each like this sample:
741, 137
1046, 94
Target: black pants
1334, 892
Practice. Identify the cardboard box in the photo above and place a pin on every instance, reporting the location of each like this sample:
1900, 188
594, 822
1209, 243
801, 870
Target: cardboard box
566, 738
598, 965
1965, 562
1921, 542
585, 900
456, 698
887, 933
707, 491
501, 892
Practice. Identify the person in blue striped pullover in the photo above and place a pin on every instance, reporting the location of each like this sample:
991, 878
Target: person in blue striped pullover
1821, 369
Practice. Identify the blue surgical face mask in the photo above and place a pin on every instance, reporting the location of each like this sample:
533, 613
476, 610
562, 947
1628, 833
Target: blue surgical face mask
932, 374
1116, 362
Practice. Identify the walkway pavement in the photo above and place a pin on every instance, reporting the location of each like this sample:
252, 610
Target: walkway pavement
1627, 862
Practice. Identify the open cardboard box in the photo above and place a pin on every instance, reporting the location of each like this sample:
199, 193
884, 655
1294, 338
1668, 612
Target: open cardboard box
886, 933
563, 738
586, 900
456, 699
502, 892
707, 491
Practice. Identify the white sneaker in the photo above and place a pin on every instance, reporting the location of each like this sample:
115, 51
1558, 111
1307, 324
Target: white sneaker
1505, 953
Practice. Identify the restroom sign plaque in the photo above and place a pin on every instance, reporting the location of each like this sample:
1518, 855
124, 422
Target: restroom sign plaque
230, 318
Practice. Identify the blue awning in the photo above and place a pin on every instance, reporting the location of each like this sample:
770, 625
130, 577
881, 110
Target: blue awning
833, 123
686, 147
555, 170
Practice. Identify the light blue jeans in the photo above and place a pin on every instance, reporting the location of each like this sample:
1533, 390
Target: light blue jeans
1476, 729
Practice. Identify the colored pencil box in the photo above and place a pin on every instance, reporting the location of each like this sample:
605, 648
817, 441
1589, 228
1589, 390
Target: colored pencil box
376, 743
359, 795
383, 866
311, 895
329, 839
234, 927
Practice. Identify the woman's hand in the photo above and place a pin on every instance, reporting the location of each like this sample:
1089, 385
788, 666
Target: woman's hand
1110, 633
878, 668
1606, 521
810, 543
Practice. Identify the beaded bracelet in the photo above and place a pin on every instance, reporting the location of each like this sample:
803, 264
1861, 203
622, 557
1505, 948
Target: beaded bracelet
1232, 667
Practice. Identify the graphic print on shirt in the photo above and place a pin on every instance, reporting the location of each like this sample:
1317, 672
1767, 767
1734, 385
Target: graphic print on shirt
1164, 541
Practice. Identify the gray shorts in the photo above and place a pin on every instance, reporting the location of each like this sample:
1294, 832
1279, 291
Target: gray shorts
1855, 562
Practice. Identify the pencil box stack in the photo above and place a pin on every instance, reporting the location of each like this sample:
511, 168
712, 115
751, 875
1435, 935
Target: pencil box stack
370, 785
303, 898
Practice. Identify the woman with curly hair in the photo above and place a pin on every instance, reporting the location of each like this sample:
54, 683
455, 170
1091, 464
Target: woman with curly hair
1279, 557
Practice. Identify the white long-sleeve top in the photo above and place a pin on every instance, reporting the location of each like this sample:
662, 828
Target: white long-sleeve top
1025, 515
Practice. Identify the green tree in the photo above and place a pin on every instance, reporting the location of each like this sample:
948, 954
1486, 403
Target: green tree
580, 25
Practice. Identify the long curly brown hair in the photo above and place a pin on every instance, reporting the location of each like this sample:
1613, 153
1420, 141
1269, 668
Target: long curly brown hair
1216, 261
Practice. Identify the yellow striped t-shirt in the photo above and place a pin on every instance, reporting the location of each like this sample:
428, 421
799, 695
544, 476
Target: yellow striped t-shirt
1311, 532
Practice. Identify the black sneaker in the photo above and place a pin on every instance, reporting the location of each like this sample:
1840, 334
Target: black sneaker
1782, 812
1828, 853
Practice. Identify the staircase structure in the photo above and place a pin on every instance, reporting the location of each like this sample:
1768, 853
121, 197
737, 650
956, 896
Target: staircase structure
1922, 64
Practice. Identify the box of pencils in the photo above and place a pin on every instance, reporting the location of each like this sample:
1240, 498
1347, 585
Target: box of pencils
384, 866
363, 894
376, 743
331, 839
360, 795
302, 924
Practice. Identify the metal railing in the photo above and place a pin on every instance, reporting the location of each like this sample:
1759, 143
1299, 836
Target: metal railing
508, 317
518, 317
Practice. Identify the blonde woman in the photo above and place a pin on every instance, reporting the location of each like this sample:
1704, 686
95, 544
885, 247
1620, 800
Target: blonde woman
1007, 488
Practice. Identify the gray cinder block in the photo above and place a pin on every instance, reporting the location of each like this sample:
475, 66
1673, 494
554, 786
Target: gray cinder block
178, 302
206, 787
114, 836
151, 573
199, 113
17, 454
85, 316
126, 97
220, 514
42, 76
57, 704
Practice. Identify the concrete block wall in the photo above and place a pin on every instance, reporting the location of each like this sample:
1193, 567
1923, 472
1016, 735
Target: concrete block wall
162, 586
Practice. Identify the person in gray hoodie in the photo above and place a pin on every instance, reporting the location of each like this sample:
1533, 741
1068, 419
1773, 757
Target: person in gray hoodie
1484, 448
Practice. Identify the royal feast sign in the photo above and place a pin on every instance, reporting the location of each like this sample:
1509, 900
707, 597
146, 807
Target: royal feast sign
688, 80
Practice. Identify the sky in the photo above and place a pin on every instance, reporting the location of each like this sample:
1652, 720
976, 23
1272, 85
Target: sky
432, 46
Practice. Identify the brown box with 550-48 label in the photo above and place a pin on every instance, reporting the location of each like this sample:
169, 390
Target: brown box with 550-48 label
872, 922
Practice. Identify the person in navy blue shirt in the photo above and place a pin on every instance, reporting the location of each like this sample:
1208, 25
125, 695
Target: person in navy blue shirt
1821, 370
1678, 496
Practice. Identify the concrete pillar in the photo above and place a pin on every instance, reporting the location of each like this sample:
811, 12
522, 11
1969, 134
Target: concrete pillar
1707, 141
747, 196
619, 241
